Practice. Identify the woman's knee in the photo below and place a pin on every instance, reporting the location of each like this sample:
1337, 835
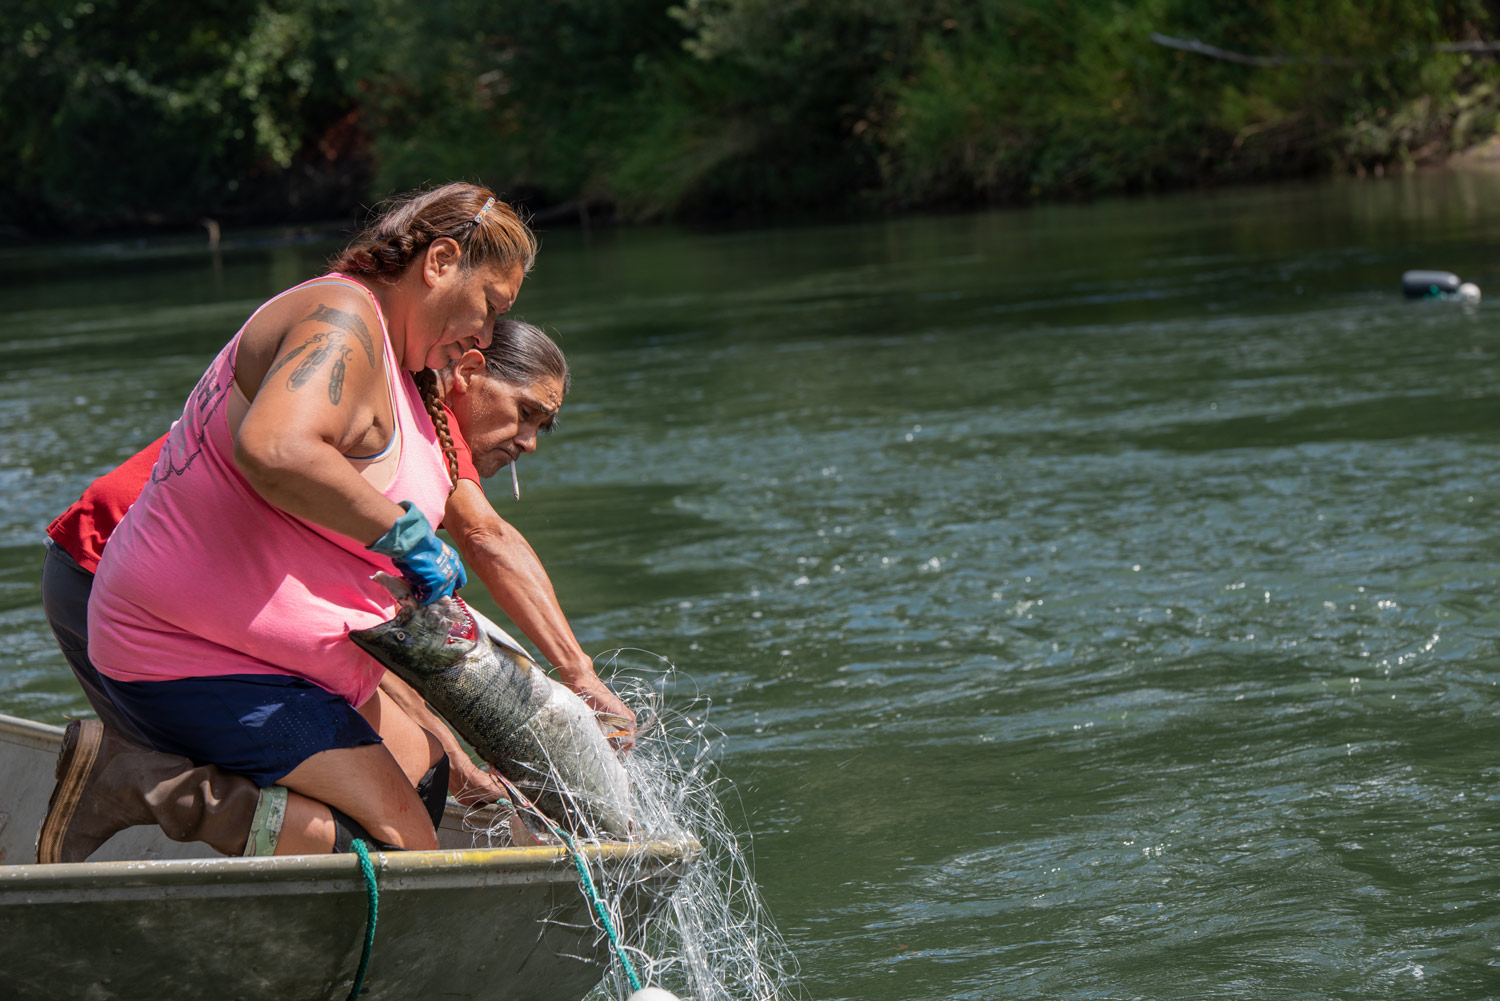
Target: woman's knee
307, 828
369, 785
414, 833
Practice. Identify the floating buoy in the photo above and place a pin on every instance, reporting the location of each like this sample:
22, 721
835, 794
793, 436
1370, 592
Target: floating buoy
1438, 285
652, 994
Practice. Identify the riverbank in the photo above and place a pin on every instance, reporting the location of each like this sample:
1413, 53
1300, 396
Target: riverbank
645, 110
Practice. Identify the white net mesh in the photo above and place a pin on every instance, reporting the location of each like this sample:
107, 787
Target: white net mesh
712, 939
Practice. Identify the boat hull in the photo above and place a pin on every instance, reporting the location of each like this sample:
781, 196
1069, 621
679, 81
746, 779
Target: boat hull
475, 923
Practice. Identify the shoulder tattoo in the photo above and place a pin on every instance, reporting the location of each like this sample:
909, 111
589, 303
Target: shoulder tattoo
349, 322
323, 346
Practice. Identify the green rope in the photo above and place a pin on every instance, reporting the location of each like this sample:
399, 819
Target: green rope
372, 894
593, 896
589, 891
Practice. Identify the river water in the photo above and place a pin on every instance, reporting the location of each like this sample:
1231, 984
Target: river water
1097, 601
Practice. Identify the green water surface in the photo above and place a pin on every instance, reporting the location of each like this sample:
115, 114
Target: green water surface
1098, 601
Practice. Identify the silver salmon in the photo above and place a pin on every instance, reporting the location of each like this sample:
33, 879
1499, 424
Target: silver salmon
535, 731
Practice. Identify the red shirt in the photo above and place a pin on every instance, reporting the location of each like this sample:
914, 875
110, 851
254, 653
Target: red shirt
84, 528
466, 470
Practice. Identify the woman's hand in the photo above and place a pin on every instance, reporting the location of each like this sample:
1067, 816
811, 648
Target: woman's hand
472, 785
607, 705
428, 563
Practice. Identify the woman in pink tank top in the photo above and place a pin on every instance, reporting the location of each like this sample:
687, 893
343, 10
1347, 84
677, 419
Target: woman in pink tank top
303, 463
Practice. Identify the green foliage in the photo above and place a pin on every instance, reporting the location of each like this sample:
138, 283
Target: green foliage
140, 111
535, 97
812, 78
681, 152
131, 111
1038, 98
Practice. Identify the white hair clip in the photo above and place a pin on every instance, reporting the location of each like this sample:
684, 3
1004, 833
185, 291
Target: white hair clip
479, 216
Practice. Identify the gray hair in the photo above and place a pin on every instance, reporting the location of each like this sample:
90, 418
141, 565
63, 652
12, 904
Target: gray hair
521, 354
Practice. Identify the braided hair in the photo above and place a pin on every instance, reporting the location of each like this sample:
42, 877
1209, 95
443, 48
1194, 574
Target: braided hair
488, 230
432, 399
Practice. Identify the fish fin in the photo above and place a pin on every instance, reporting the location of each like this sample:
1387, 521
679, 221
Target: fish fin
520, 832
497, 634
399, 588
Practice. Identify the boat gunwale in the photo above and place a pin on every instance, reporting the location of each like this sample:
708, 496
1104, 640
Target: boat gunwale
465, 862
423, 869
30, 733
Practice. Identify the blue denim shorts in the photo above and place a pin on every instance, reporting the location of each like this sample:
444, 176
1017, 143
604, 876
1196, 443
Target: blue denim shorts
258, 725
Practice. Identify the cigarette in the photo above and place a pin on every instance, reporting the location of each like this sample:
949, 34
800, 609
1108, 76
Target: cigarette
515, 483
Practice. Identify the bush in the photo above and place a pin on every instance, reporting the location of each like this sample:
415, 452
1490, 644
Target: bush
129, 113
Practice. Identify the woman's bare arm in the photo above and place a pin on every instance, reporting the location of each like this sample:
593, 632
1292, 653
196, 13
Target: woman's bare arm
514, 577
322, 396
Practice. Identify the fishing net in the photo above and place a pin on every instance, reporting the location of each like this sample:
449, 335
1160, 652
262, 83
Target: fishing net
711, 939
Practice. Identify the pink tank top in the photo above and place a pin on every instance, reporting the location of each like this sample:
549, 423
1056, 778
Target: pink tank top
205, 578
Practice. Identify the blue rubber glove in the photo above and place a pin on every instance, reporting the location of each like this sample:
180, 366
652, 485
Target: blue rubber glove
428, 563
